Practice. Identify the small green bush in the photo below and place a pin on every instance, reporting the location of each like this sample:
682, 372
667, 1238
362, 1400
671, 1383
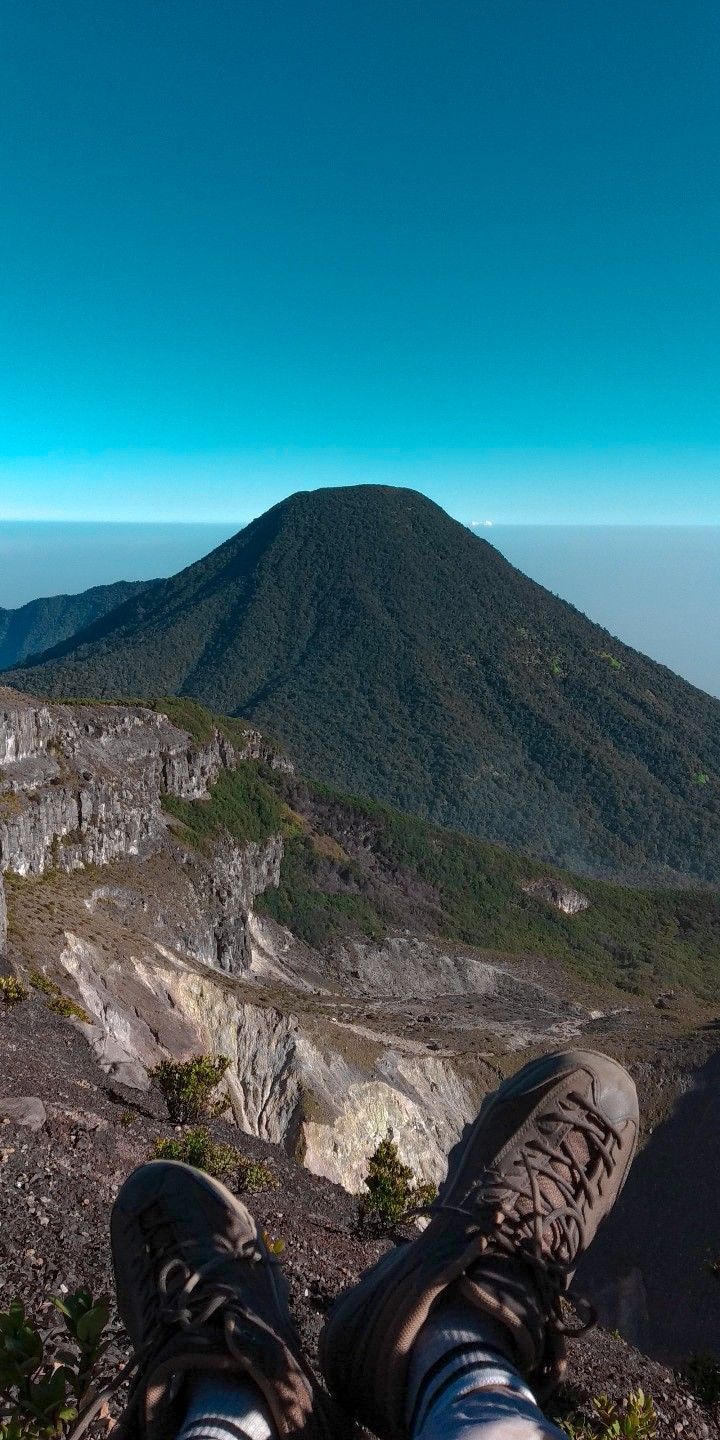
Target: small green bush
43, 983
633, 1419
253, 1176
187, 1086
392, 1188
702, 1374
42, 1382
11, 991
57, 1002
198, 1148
61, 1005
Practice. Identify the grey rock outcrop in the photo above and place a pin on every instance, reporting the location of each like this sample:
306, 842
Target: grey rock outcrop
554, 892
82, 784
24, 1110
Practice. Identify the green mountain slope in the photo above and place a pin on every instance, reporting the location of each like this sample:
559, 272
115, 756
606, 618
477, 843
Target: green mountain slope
397, 654
355, 866
44, 623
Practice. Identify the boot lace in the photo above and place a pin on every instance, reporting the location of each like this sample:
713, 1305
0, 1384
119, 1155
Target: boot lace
513, 1214
185, 1298
551, 1228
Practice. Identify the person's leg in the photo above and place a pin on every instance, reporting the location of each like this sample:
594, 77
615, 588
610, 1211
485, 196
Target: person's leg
225, 1409
539, 1170
463, 1382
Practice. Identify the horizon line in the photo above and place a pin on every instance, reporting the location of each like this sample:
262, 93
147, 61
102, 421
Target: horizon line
484, 525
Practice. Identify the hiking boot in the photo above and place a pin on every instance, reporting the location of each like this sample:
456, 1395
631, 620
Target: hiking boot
540, 1168
197, 1291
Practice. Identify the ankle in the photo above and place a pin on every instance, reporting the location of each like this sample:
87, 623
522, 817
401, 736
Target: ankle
224, 1408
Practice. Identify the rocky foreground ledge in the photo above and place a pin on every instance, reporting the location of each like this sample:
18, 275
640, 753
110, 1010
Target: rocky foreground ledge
60, 1172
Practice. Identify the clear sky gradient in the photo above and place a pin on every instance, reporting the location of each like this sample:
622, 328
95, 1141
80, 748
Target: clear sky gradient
251, 246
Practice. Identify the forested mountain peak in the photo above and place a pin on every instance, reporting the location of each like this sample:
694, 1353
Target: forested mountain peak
396, 653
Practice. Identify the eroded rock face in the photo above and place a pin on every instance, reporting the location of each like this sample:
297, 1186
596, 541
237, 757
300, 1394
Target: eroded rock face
82, 784
422, 1103
328, 1050
286, 1083
563, 897
25, 728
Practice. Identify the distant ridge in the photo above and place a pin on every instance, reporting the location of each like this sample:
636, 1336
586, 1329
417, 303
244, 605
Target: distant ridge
44, 623
398, 655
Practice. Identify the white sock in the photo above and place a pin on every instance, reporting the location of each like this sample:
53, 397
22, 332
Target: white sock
463, 1383
224, 1409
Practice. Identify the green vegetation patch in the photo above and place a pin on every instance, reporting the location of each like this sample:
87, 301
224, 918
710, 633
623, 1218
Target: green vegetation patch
11, 991
242, 803
57, 1002
633, 1419
392, 1190
44, 1380
187, 1086
355, 865
315, 914
187, 714
197, 1147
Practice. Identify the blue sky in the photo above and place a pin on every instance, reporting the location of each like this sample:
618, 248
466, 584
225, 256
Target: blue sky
253, 247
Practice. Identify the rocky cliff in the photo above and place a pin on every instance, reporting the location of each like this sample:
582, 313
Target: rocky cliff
82, 784
157, 942
159, 946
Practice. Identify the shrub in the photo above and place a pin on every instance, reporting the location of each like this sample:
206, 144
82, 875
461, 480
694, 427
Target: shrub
61, 1005
253, 1176
43, 983
187, 1086
702, 1374
11, 991
392, 1188
42, 1382
57, 1002
198, 1148
633, 1419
